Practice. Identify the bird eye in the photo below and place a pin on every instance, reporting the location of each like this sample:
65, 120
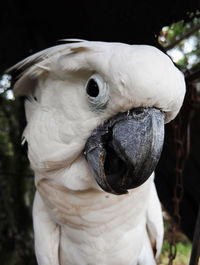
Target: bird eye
92, 88
97, 92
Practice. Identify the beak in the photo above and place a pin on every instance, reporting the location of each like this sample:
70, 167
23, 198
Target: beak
125, 150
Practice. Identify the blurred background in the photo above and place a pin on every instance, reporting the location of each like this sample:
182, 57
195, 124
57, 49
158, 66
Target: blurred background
174, 27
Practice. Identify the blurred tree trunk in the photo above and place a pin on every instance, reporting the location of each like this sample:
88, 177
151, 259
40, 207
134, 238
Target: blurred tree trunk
17, 188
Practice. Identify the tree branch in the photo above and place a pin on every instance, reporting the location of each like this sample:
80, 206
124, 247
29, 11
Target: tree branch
184, 36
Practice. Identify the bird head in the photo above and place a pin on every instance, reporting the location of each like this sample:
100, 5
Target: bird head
102, 104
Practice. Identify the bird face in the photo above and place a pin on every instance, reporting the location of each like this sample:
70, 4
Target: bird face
108, 101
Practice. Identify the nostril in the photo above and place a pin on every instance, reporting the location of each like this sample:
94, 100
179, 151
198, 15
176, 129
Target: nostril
137, 112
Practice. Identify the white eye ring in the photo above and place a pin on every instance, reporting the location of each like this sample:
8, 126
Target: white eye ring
97, 92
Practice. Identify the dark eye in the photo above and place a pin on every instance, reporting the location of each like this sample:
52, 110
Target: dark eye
97, 92
92, 88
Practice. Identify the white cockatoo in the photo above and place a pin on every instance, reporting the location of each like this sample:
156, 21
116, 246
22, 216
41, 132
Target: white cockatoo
95, 127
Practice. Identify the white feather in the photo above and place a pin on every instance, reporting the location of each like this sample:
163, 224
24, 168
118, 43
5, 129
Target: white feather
154, 78
87, 225
46, 236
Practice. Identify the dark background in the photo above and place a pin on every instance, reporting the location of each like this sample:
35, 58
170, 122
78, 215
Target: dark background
29, 26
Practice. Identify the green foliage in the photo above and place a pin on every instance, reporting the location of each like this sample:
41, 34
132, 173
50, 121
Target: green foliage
182, 42
183, 253
183, 246
175, 31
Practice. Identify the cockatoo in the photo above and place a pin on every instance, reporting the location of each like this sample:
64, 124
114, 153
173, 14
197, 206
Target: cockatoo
95, 128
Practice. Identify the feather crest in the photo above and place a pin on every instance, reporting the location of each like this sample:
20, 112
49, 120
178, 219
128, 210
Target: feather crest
35, 65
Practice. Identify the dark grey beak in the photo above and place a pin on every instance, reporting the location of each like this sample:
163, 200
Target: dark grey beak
124, 152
